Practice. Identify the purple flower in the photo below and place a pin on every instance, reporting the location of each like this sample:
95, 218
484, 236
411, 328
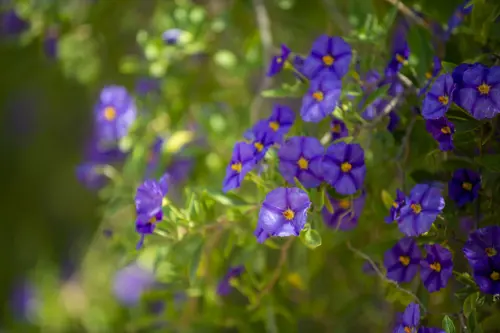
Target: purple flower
403, 260
179, 169
393, 121
23, 300
281, 119
457, 18
483, 244
242, 161
391, 78
370, 81
374, 109
301, 157
464, 186
263, 138
420, 210
442, 131
321, 99
400, 52
224, 288
344, 167
95, 157
479, 91
298, 65
410, 322
114, 114
345, 212
431, 74
148, 205
50, 43
146, 85
283, 212
278, 62
486, 273
396, 207
437, 268
338, 129
438, 99
331, 55
172, 36
435, 69
12, 24
130, 283
153, 157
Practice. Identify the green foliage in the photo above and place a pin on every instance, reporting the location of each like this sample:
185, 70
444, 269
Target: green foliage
212, 86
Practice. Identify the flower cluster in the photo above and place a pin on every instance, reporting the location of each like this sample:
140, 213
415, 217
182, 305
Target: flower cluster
482, 250
473, 87
404, 260
304, 159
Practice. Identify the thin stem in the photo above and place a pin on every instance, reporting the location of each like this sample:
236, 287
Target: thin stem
382, 276
277, 272
264, 26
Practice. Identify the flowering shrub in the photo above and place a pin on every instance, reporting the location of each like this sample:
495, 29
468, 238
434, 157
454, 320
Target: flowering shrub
344, 194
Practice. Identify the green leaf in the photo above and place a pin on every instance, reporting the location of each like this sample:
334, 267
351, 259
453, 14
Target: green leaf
380, 92
490, 323
421, 48
299, 184
448, 325
491, 162
195, 262
387, 199
470, 304
448, 66
393, 294
286, 90
311, 238
226, 199
328, 203
472, 321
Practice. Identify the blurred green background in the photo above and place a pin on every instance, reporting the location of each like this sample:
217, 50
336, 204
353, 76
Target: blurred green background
49, 219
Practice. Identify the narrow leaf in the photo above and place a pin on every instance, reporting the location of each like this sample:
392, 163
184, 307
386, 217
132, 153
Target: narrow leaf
448, 325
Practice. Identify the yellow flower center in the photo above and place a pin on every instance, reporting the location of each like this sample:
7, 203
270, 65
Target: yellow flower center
279, 60
491, 252
346, 167
400, 58
303, 163
446, 130
236, 167
484, 89
318, 95
495, 276
404, 260
443, 100
395, 204
336, 128
416, 208
344, 204
153, 220
467, 186
428, 75
288, 214
436, 267
409, 329
274, 126
259, 146
109, 113
328, 60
